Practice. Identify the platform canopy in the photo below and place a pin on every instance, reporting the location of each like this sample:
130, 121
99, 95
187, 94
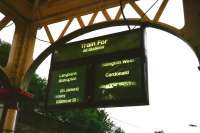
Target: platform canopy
36, 14
51, 11
44, 12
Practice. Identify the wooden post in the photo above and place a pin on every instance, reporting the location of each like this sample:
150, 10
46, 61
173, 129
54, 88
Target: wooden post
20, 58
10, 120
21, 53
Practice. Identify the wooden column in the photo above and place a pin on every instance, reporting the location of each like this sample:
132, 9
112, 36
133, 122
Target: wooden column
20, 58
21, 53
10, 120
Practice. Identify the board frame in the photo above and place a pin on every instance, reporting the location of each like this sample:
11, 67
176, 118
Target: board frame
89, 102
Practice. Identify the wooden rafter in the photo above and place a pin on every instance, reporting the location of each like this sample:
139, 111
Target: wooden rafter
106, 15
139, 11
48, 34
93, 18
160, 11
65, 28
119, 13
80, 21
4, 22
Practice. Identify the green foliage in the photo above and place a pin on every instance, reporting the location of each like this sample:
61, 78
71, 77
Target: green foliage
4, 52
37, 87
88, 120
119, 130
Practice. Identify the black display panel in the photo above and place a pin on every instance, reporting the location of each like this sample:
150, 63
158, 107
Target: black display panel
118, 79
105, 71
69, 86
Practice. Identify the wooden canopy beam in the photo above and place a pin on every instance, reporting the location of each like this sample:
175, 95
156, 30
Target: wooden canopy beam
12, 13
44, 12
20, 7
35, 5
57, 11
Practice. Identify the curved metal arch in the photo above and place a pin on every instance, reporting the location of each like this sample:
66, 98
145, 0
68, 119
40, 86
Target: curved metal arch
24, 84
4, 79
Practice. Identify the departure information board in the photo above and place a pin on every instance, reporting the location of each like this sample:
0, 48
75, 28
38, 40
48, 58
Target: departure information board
118, 79
99, 72
69, 84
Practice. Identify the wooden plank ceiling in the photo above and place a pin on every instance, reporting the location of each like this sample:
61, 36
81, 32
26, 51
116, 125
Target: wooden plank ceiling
51, 11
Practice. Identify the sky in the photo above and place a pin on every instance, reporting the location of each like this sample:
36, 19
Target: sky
172, 70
